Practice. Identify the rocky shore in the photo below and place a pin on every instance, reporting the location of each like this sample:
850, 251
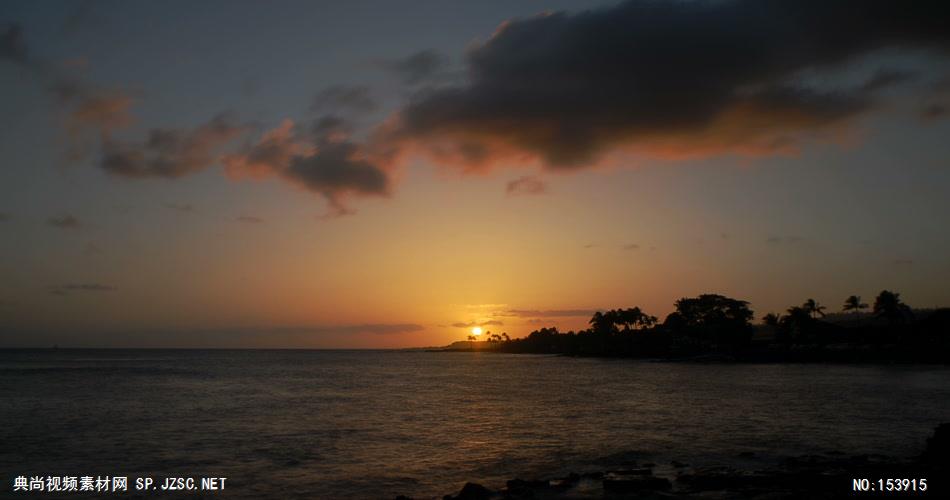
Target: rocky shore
811, 476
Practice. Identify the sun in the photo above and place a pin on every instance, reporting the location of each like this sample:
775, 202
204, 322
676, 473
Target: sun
476, 331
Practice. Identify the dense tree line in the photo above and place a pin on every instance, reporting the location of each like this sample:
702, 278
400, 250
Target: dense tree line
712, 324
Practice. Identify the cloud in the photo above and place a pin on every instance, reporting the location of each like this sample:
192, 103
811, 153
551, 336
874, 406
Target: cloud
81, 287
321, 160
550, 313
372, 328
64, 222
473, 324
631, 246
902, 262
337, 169
665, 79
89, 112
272, 153
420, 67
250, 219
342, 98
934, 112
885, 78
180, 207
170, 153
104, 110
527, 185
4, 216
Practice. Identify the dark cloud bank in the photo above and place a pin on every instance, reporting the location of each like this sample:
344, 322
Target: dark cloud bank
563, 90
669, 78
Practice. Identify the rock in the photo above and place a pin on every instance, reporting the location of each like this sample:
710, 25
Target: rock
634, 480
403, 497
938, 445
678, 465
566, 482
471, 491
523, 488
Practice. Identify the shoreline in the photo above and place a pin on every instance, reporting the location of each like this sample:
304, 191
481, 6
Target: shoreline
838, 357
833, 475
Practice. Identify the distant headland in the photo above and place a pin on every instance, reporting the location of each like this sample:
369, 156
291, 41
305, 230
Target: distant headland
712, 327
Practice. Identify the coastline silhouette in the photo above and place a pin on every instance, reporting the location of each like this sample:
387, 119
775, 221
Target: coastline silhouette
714, 327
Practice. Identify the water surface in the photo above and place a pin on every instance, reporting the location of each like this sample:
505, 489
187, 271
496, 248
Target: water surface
374, 424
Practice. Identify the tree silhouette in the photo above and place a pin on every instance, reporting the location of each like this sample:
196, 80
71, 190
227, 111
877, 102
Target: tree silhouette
888, 305
601, 323
471, 338
616, 320
771, 319
813, 308
506, 337
712, 317
853, 304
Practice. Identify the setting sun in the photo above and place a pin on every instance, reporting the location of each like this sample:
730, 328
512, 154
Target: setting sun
476, 331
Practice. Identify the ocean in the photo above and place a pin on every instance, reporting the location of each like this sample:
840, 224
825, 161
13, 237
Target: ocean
377, 424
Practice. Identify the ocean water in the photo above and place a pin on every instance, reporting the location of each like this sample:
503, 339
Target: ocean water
376, 424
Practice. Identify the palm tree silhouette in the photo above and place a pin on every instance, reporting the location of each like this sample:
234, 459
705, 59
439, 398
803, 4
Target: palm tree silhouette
814, 308
888, 305
853, 304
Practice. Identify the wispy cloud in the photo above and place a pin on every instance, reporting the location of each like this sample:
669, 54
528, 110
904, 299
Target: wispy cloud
64, 222
180, 207
170, 153
472, 324
528, 185
81, 287
548, 313
370, 328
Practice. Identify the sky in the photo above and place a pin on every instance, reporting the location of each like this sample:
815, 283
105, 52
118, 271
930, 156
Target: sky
391, 174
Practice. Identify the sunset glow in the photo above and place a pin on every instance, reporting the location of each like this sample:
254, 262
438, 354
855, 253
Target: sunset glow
306, 200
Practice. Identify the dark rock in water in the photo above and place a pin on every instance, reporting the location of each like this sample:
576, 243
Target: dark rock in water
938, 445
525, 489
678, 464
634, 480
566, 482
746, 454
403, 497
471, 491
